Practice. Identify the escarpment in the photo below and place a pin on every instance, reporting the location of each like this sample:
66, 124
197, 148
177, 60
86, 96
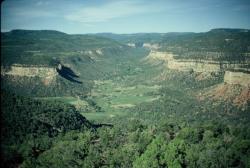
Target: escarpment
240, 78
46, 74
195, 65
235, 73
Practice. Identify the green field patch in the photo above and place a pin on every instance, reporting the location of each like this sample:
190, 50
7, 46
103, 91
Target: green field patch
114, 97
122, 105
129, 99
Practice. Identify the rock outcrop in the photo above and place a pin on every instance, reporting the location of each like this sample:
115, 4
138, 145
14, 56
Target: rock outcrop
131, 44
152, 46
47, 74
242, 77
190, 64
183, 65
238, 95
239, 78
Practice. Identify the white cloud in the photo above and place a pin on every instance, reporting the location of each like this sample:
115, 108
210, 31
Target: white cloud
115, 9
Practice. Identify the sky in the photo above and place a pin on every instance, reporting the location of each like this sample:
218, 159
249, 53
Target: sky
124, 16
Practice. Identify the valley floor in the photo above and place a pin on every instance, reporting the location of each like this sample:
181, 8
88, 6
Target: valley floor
115, 97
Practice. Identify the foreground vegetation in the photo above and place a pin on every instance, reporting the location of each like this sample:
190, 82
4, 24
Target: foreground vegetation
64, 140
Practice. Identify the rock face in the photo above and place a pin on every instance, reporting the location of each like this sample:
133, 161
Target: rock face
99, 51
189, 64
131, 44
238, 95
202, 66
195, 66
47, 74
237, 78
184, 65
151, 46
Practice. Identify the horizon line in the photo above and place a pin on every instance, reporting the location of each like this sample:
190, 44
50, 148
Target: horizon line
2, 31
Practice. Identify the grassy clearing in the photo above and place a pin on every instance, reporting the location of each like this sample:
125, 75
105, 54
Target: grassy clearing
115, 98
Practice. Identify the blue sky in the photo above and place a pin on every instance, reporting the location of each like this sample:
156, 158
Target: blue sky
124, 16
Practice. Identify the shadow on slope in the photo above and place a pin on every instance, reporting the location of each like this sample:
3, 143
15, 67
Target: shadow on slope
67, 73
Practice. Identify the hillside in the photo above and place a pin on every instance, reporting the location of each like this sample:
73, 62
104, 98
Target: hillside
23, 119
218, 44
45, 47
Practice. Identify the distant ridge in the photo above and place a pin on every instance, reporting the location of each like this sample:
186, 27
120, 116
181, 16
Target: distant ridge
229, 30
34, 31
108, 34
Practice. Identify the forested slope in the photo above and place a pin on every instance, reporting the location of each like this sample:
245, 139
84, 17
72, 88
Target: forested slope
24, 120
230, 45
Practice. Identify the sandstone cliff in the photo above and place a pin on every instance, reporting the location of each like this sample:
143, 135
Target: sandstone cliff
47, 74
202, 66
240, 78
189, 64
